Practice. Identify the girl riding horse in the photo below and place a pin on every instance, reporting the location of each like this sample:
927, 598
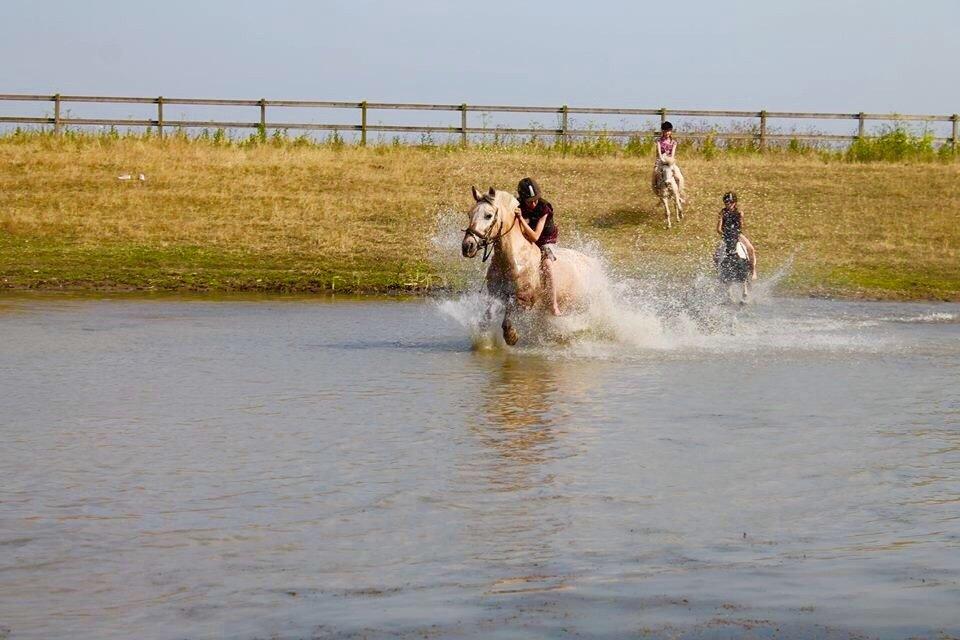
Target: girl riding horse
730, 226
537, 225
666, 147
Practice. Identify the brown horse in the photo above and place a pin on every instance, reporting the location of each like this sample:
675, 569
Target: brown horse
515, 275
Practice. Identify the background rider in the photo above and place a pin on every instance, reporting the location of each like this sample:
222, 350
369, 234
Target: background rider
665, 147
730, 226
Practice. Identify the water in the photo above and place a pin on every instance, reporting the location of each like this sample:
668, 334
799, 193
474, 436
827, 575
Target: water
304, 468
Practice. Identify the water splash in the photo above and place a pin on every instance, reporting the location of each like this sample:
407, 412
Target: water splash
445, 254
479, 314
630, 316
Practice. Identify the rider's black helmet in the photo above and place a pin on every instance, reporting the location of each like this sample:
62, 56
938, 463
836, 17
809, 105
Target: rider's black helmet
528, 188
666, 125
729, 197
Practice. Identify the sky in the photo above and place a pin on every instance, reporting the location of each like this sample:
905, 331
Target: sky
839, 55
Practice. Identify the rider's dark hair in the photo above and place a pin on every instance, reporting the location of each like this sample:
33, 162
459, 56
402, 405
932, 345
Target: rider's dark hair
666, 125
730, 196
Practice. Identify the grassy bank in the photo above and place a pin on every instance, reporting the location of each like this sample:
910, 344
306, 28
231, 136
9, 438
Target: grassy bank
285, 216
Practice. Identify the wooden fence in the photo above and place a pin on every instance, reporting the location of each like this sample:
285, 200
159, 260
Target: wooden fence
563, 132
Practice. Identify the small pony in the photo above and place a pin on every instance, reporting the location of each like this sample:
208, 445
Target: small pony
666, 187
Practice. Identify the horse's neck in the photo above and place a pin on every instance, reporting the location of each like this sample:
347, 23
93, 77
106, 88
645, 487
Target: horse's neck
515, 252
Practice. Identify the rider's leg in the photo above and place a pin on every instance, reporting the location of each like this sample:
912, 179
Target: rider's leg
546, 264
653, 179
751, 256
681, 184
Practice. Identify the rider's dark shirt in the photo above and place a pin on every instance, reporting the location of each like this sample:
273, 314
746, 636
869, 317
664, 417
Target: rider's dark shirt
731, 224
532, 216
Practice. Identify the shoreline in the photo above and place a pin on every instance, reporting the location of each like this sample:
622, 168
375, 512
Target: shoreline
398, 292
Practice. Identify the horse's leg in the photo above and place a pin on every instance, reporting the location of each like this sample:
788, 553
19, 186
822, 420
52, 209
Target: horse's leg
487, 318
550, 284
495, 291
676, 200
666, 210
510, 335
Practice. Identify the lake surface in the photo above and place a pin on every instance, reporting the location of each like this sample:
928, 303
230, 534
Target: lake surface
188, 468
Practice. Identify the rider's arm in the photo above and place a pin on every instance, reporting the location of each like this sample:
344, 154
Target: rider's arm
720, 223
539, 230
525, 229
532, 234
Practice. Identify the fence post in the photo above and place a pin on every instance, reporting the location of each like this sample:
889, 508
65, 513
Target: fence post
363, 123
763, 130
463, 125
953, 142
160, 116
663, 115
860, 127
563, 128
56, 114
263, 117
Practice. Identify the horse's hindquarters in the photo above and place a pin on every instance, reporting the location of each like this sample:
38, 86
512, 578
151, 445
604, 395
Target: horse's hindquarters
578, 278
733, 268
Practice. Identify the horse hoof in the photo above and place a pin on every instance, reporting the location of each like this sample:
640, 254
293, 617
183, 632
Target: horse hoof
510, 336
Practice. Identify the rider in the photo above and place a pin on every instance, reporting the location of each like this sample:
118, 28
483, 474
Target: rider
537, 226
666, 146
730, 226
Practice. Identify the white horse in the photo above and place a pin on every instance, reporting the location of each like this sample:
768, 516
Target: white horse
666, 186
516, 276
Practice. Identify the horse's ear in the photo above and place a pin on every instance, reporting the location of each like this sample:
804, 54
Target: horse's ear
476, 194
493, 192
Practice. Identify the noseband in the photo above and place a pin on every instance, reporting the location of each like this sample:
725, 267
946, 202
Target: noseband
485, 240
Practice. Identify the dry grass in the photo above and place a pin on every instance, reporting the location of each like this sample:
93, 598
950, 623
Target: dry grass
287, 217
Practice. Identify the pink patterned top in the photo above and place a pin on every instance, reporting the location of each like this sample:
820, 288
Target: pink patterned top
666, 146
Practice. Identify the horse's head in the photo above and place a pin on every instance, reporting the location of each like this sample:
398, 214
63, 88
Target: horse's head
486, 220
666, 168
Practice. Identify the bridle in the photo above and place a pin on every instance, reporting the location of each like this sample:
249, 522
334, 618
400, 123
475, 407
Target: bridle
486, 240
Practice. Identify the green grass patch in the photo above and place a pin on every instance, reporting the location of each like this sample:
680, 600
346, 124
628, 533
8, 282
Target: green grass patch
878, 282
40, 263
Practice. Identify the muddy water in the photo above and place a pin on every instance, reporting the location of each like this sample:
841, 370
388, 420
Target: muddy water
293, 468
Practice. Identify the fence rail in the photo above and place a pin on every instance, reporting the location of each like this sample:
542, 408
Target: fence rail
564, 132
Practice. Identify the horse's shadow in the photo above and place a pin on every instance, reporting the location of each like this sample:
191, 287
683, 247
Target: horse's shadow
629, 216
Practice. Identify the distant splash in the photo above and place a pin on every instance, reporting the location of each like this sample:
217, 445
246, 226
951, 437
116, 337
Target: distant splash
634, 316
926, 318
